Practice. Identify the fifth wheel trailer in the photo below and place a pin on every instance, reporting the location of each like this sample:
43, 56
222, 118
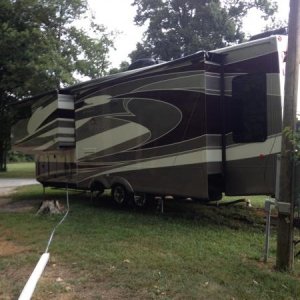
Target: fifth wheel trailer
203, 125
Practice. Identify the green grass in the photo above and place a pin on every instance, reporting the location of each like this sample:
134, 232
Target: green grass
19, 170
190, 252
256, 201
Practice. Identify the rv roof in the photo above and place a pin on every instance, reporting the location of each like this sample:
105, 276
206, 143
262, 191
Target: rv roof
268, 39
193, 57
200, 55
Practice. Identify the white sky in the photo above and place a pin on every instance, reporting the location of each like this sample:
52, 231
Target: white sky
119, 14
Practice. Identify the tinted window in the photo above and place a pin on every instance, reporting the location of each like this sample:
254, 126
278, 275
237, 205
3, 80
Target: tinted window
249, 108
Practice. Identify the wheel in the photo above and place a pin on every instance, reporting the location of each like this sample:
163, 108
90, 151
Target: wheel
120, 195
140, 200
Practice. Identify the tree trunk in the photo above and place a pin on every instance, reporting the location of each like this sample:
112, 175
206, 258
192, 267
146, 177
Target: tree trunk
5, 130
52, 207
3, 155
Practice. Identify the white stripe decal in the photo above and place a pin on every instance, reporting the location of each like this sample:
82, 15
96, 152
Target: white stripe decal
182, 82
39, 116
66, 105
195, 157
242, 151
271, 145
58, 130
66, 130
81, 122
237, 151
65, 98
65, 139
95, 101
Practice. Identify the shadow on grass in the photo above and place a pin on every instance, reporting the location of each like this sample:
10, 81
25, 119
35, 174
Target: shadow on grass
234, 216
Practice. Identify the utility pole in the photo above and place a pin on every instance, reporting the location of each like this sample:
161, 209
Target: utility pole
285, 233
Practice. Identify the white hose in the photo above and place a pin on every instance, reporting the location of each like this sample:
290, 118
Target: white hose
63, 218
29, 288
34, 278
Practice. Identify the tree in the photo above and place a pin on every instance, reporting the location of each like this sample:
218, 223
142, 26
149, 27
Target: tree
122, 67
42, 49
177, 28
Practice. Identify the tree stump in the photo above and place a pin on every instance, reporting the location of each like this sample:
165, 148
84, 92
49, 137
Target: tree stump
52, 207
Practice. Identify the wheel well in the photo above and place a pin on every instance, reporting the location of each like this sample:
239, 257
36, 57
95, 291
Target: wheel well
97, 185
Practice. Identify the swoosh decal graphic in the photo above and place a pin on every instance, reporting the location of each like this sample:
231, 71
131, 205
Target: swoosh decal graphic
40, 115
154, 117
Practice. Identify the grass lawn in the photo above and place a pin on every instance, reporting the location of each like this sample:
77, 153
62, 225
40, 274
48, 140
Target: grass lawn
192, 251
19, 170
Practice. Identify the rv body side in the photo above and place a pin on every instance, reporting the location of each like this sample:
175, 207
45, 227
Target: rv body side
178, 128
150, 131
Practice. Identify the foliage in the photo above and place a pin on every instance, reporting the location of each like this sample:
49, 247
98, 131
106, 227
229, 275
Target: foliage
15, 156
293, 137
276, 25
238, 9
122, 67
177, 28
42, 49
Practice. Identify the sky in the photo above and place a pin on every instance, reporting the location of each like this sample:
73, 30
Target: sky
118, 15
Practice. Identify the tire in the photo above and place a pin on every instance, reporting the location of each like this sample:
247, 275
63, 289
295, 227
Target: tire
140, 200
120, 195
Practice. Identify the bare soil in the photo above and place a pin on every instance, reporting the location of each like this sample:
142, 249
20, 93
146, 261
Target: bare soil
9, 248
6, 204
59, 281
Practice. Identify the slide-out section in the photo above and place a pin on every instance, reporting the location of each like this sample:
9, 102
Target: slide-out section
45, 127
44, 123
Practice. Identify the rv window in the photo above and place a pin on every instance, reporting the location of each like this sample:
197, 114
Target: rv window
249, 108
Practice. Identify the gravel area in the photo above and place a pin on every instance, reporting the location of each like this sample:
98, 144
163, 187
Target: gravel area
7, 188
8, 183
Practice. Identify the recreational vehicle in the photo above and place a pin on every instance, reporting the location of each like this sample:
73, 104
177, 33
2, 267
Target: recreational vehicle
199, 126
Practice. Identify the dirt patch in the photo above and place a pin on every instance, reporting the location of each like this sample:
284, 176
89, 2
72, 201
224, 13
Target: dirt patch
20, 206
59, 282
12, 281
7, 191
63, 282
6, 204
5, 195
8, 248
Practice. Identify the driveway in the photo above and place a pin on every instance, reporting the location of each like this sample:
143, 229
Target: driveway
8, 186
9, 183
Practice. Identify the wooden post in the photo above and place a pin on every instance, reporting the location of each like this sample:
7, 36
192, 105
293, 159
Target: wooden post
285, 234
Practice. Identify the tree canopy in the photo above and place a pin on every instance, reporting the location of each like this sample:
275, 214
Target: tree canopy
44, 46
43, 49
123, 66
177, 28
